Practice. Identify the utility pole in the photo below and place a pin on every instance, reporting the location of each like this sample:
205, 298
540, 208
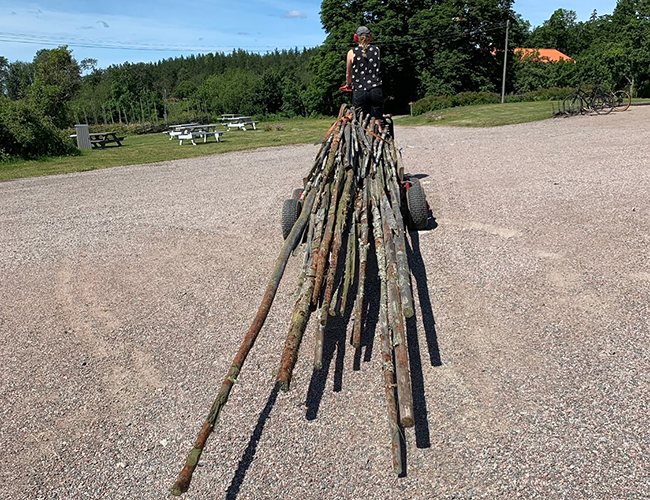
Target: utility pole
505, 60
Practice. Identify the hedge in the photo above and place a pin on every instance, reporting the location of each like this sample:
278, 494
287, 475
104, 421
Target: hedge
436, 103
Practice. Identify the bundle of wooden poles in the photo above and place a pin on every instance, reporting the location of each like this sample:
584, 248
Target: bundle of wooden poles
352, 192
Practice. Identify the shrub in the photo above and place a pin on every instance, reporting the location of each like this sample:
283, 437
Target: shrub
436, 103
552, 94
432, 103
475, 98
26, 133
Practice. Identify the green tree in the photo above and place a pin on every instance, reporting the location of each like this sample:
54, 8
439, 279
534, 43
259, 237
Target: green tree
57, 77
4, 74
270, 93
531, 74
235, 91
427, 46
185, 89
560, 32
19, 79
631, 48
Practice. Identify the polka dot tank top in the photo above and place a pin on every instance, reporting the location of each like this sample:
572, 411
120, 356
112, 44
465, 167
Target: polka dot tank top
365, 70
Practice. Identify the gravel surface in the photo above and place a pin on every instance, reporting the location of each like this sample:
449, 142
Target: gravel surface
126, 292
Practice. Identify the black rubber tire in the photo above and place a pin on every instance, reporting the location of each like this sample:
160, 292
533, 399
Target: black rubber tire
602, 103
573, 104
622, 100
416, 202
290, 213
296, 193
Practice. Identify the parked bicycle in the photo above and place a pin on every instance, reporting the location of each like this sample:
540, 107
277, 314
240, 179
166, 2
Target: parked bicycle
598, 100
622, 100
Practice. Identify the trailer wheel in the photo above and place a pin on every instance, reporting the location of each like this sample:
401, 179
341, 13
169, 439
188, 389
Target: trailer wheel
417, 205
290, 214
296, 193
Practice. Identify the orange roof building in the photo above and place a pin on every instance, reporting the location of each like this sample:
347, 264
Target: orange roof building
543, 55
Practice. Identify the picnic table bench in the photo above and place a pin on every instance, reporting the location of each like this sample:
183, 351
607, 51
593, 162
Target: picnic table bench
191, 132
176, 130
240, 122
100, 139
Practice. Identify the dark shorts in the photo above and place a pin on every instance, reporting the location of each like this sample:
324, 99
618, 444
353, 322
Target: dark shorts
370, 101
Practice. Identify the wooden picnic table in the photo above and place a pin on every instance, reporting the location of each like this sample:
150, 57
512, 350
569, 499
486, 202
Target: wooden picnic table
100, 139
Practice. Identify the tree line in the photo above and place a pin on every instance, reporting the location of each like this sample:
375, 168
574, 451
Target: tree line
429, 48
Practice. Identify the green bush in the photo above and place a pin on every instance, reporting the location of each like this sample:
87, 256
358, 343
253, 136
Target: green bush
26, 133
432, 103
475, 98
552, 94
436, 103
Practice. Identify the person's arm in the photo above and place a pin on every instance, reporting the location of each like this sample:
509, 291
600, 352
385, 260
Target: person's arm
348, 72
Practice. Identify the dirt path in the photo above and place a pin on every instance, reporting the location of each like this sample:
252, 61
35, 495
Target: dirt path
125, 293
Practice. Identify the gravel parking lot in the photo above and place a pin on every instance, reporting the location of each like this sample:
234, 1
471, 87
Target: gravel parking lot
126, 292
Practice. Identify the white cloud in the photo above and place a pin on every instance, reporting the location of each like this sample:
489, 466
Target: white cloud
295, 14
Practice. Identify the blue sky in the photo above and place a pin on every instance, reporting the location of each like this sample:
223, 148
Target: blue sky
118, 31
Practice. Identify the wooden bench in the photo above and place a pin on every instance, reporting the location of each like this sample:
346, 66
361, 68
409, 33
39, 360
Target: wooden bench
99, 140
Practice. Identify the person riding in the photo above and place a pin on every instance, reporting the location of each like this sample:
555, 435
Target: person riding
363, 76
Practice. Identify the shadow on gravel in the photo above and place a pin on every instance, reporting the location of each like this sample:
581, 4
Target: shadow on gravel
334, 348
249, 453
334, 344
337, 328
419, 272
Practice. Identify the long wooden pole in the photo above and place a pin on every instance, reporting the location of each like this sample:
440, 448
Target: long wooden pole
363, 260
396, 319
388, 370
183, 482
305, 303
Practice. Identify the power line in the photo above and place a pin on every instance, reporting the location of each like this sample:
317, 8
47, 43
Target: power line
24, 38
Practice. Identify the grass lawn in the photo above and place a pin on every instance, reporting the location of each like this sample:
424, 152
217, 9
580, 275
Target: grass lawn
157, 147
487, 115
151, 148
